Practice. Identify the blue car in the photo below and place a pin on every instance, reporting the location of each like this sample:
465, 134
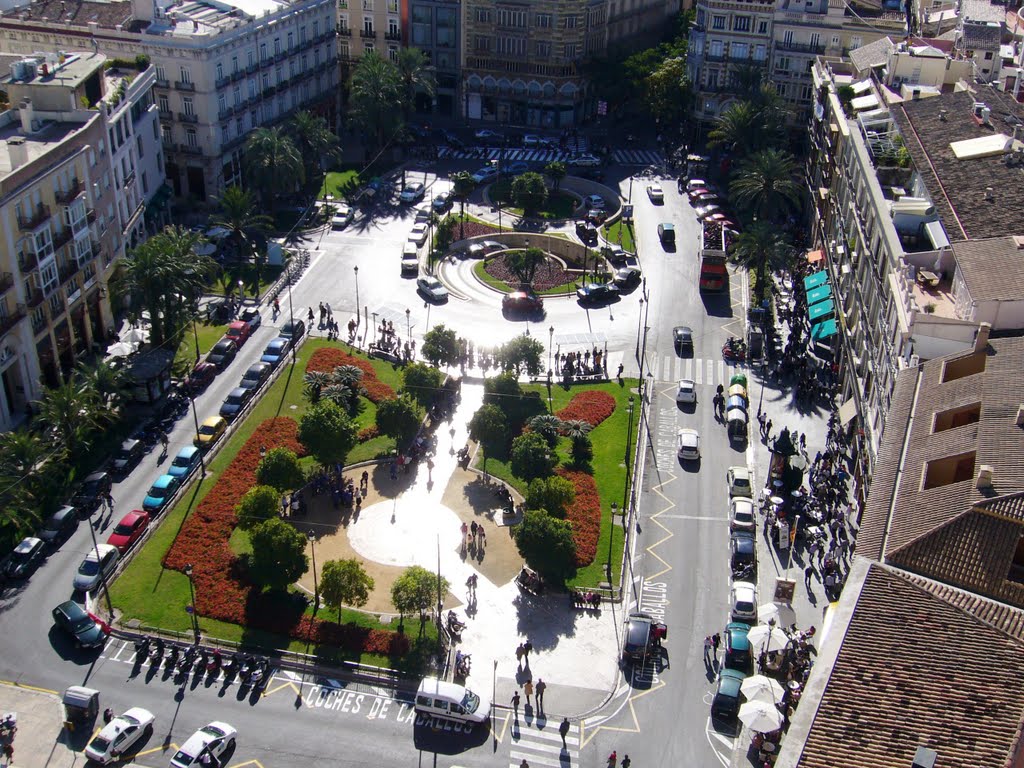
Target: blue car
184, 463
275, 351
162, 490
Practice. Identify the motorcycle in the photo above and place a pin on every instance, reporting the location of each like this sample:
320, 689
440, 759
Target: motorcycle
455, 626
185, 663
734, 350
230, 666
260, 673
141, 647
172, 658
200, 662
158, 651
213, 663
246, 668
462, 662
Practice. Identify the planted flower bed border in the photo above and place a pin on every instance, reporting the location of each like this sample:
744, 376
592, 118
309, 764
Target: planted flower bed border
591, 406
326, 359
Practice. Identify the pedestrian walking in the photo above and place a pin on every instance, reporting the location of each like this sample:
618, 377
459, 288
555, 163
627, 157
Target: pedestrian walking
760, 422
109, 500
472, 529
541, 687
108, 715
464, 529
613, 758
707, 647
330, 314
515, 703
625, 761
528, 690
483, 536
716, 640
808, 572
524, 764
527, 647
519, 654
563, 729
310, 316
768, 430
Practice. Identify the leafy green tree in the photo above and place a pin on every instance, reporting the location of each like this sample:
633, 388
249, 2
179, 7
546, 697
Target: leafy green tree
327, 432
260, 503
554, 494
548, 426
556, 171
417, 590
444, 234
280, 469
518, 406
109, 383
316, 142
422, 382
547, 545
278, 556
532, 457
345, 582
273, 163
417, 77
529, 191
247, 227
761, 249
524, 263
462, 186
764, 185
33, 482
489, 428
398, 418
440, 346
376, 98
667, 92
522, 353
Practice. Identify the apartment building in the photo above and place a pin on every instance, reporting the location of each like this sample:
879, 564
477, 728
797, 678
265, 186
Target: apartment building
60, 209
367, 25
221, 68
434, 27
915, 175
639, 23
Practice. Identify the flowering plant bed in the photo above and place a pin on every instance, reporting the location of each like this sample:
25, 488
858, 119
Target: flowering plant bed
326, 359
584, 515
550, 274
221, 591
591, 406
474, 229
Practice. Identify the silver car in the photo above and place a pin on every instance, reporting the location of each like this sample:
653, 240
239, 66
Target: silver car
432, 288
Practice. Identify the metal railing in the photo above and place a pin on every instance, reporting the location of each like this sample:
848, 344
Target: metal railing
39, 216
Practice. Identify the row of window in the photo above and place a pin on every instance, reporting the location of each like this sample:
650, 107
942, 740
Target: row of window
393, 29
739, 23
521, 18
519, 46
368, 5
345, 52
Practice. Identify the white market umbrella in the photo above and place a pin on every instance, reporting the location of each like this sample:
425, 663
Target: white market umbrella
762, 688
782, 613
768, 638
760, 716
135, 336
121, 349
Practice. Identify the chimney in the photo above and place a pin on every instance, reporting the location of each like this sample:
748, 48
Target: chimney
990, 193
942, 114
984, 476
26, 113
981, 338
924, 758
18, 151
1020, 415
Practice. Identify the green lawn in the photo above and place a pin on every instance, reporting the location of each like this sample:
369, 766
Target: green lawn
157, 597
208, 333
608, 465
340, 184
620, 234
247, 274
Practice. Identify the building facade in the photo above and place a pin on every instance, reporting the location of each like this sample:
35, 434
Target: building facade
221, 69
367, 25
434, 27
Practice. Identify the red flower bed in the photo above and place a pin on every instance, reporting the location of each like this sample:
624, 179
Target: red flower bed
326, 359
221, 590
549, 274
584, 515
591, 406
475, 229
368, 433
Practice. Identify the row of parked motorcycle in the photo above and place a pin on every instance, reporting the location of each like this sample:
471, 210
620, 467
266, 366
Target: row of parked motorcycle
251, 670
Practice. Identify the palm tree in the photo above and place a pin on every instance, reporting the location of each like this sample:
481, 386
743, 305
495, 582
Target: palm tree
248, 227
764, 184
375, 93
34, 483
524, 263
109, 383
316, 142
462, 185
73, 414
315, 383
760, 248
739, 128
417, 75
556, 171
273, 162
548, 426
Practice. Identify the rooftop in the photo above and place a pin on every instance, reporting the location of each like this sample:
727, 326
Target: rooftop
957, 187
51, 72
983, 10
77, 12
38, 143
993, 269
874, 54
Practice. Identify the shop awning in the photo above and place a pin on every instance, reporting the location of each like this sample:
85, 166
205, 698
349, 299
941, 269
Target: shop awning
813, 257
824, 330
821, 310
847, 411
820, 293
813, 281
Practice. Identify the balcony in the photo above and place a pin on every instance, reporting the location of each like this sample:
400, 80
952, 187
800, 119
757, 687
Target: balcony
6, 282
9, 321
189, 149
251, 68
38, 217
220, 82
168, 145
367, 34
27, 262
90, 215
225, 113
280, 56
814, 50
66, 196
184, 85
35, 298
62, 237
67, 271
165, 114
162, 83
187, 118
395, 36
237, 75
344, 32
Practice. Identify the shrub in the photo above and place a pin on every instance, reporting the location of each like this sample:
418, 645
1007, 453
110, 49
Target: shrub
326, 359
584, 515
532, 457
591, 406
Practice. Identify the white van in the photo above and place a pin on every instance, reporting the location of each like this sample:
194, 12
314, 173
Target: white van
438, 698
410, 259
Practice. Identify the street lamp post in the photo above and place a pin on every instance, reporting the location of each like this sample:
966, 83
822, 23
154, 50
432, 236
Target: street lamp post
551, 343
374, 327
241, 291
195, 418
629, 441
312, 550
608, 566
103, 578
408, 322
639, 322
195, 336
192, 595
356, 270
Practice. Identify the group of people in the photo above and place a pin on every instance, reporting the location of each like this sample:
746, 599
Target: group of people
587, 363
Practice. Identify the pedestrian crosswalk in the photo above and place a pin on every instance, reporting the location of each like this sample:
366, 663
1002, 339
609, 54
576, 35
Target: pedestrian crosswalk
543, 156
543, 746
701, 371
637, 157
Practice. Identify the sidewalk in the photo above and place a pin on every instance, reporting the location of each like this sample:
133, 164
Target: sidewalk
41, 740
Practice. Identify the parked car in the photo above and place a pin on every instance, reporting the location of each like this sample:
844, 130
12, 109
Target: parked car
642, 637
741, 514
667, 234
738, 481
627, 277
686, 392
412, 193
616, 254
126, 457
596, 216
25, 558
487, 135
60, 525
276, 351
238, 332
725, 705
656, 194
743, 601
440, 204
418, 234
689, 444
342, 216
531, 141
432, 289
521, 302
236, 400
703, 211
92, 492
185, 462
200, 377
737, 647
114, 742
129, 530
214, 739
742, 550
222, 354
294, 330
682, 338
586, 232
73, 619
159, 493
475, 251
210, 431
595, 293
98, 563
486, 173
517, 167
256, 374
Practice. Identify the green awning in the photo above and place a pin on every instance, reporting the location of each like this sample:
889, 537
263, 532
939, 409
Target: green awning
821, 310
820, 293
823, 330
813, 281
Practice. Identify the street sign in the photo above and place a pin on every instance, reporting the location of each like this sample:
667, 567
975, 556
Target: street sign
627, 212
189, 609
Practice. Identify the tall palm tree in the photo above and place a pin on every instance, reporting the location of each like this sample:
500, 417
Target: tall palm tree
524, 263
109, 383
556, 171
738, 128
315, 141
273, 162
761, 248
417, 75
764, 184
248, 227
375, 91
32, 483
462, 185
548, 426
315, 383
73, 415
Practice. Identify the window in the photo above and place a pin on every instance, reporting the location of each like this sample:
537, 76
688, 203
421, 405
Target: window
815, 39
222, 103
543, 48
291, 40
741, 24
963, 366
782, 63
368, 48
277, 45
302, 30
713, 79
393, 52
251, 55
393, 27
191, 138
48, 273
835, 41
168, 135
509, 17
512, 46
787, 37
236, 94
240, 125
739, 51
252, 88
759, 53
220, 71
570, 51
279, 71
234, 64
716, 49
483, 15
570, 22
163, 103
186, 77
160, 73
421, 14
718, 22
948, 470
266, 81
543, 20
482, 43
762, 27
263, 52
367, 5
368, 24
392, 6
855, 42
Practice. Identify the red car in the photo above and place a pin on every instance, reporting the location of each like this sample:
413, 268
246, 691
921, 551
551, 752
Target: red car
238, 332
200, 377
520, 301
128, 531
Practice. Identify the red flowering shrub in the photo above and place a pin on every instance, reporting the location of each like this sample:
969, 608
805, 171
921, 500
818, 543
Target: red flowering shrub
326, 359
222, 592
368, 433
591, 406
475, 229
584, 515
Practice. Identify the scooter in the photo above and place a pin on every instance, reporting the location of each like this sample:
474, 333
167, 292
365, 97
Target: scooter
200, 662
230, 666
455, 626
734, 350
172, 658
213, 663
185, 663
157, 652
141, 648
462, 664
258, 677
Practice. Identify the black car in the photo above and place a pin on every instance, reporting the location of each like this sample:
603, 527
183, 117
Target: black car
25, 558
743, 553
597, 293
521, 302
222, 354
255, 376
627, 277
60, 525
586, 233
294, 330
235, 402
128, 455
73, 619
682, 338
93, 491
643, 636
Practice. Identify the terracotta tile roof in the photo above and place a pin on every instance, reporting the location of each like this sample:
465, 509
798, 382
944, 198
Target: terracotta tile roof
79, 12
957, 187
914, 669
874, 54
981, 35
1003, 617
993, 268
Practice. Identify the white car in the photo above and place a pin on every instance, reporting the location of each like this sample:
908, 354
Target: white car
738, 480
484, 174
656, 193
687, 391
432, 288
741, 514
488, 135
594, 202
531, 140
117, 736
342, 216
412, 193
585, 161
418, 234
743, 601
689, 444
98, 564
214, 739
